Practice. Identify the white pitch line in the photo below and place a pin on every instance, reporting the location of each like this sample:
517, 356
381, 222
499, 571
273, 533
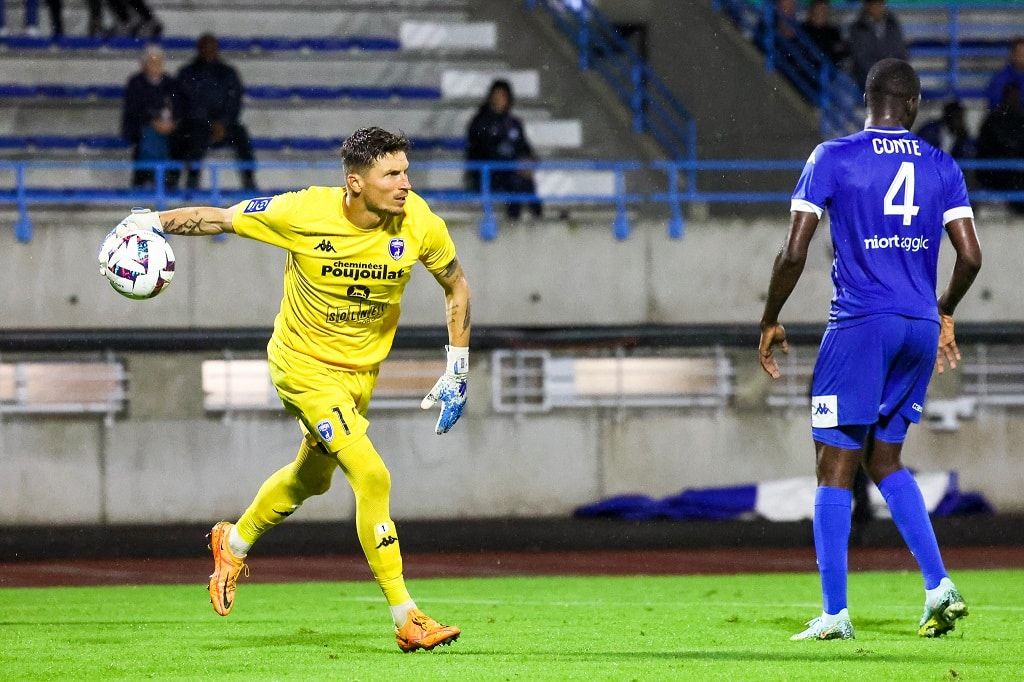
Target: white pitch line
701, 604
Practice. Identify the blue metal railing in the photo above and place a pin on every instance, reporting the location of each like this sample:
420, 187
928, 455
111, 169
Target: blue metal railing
961, 37
681, 187
654, 109
798, 59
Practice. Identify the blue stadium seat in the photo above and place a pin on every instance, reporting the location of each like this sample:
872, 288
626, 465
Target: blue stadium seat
79, 43
320, 92
13, 142
270, 144
18, 90
310, 144
366, 92
416, 92
271, 92
274, 44
61, 91
328, 44
107, 91
104, 142
54, 142
25, 42
376, 43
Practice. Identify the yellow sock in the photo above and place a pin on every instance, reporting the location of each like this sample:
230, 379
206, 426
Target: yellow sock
281, 494
371, 484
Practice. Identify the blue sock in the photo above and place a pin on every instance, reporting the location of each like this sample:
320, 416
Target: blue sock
907, 507
832, 508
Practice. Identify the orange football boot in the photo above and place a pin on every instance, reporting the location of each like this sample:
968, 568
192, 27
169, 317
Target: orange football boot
226, 569
423, 632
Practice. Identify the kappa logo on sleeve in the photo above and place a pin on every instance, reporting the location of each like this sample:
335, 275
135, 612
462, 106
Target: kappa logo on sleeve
824, 411
257, 205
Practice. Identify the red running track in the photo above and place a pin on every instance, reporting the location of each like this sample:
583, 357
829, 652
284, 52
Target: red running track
483, 564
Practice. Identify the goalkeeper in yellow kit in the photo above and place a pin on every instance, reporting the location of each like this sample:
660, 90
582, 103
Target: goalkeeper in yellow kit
350, 253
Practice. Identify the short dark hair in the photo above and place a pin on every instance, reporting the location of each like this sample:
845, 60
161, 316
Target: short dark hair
892, 78
366, 146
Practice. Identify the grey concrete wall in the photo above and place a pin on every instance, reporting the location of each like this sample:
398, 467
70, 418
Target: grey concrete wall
167, 461
554, 273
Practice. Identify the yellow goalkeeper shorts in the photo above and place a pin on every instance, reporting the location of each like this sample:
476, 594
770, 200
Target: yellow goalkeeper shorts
329, 402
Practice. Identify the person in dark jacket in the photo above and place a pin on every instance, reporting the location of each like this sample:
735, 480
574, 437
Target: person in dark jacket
1013, 72
496, 135
823, 33
875, 35
1002, 137
153, 107
213, 92
949, 132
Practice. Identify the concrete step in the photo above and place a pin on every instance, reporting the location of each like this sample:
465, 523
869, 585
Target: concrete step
265, 120
263, 19
266, 69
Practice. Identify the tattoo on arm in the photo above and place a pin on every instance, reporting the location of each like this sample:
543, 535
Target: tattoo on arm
190, 226
450, 272
465, 320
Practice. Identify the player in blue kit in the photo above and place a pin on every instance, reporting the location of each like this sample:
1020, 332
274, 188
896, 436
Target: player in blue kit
889, 195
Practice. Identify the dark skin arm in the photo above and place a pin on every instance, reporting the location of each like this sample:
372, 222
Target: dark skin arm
968, 262
789, 264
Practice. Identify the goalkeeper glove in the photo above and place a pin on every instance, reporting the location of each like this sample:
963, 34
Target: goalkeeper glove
140, 220
450, 389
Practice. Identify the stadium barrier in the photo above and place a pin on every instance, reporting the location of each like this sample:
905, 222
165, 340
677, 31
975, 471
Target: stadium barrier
681, 186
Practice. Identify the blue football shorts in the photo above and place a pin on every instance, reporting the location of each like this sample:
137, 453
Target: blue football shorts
873, 371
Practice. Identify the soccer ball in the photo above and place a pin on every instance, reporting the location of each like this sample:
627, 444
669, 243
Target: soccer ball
139, 264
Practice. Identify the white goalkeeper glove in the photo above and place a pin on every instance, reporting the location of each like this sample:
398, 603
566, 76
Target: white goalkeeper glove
140, 220
450, 389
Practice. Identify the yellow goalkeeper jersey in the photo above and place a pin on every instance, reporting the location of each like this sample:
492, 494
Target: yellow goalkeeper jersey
343, 284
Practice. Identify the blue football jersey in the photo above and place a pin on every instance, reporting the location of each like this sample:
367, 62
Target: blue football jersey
889, 195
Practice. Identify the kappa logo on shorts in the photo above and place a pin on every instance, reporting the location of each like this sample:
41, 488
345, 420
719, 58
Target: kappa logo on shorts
257, 205
916, 407
824, 411
325, 429
396, 247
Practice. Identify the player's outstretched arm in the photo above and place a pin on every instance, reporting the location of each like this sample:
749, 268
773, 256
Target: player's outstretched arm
197, 220
450, 389
968, 262
190, 221
789, 264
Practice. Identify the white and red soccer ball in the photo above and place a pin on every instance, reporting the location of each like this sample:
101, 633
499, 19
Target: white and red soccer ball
138, 264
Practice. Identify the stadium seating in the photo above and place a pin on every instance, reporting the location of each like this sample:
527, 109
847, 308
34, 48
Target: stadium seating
316, 78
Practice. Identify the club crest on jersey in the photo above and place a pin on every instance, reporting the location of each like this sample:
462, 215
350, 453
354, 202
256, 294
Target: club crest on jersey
396, 247
326, 430
257, 205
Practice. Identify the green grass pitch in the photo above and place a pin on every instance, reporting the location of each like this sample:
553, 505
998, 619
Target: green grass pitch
539, 628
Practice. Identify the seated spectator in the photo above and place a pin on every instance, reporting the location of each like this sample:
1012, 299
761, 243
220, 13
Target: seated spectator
1013, 72
949, 132
784, 16
213, 96
875, 35
153, 106
1002, 137
143, 25
823, 33
31, 18
496, 135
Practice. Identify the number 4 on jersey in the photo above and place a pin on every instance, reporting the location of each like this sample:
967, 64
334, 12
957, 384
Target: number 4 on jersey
904, 178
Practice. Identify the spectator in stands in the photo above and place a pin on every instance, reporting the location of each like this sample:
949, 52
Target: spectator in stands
213, 96
875, 35
143, 25
1013, 72
153, 106
949, 132
823, 33
1002, 137
31, 18
496, 135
